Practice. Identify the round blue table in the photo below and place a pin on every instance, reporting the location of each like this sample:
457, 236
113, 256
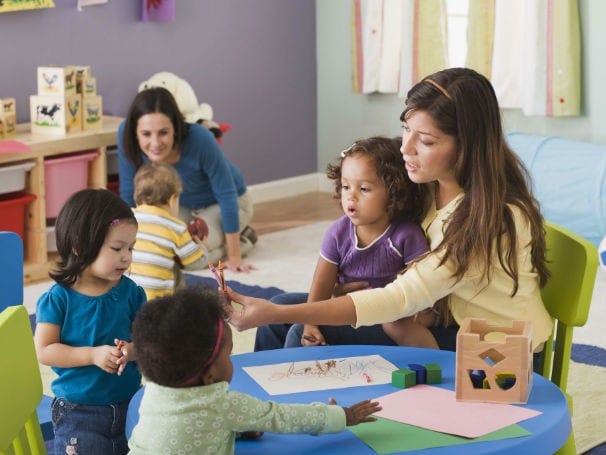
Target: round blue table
549, 430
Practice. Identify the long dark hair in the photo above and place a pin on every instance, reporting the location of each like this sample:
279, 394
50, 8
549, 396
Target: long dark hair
463, 104
150, 101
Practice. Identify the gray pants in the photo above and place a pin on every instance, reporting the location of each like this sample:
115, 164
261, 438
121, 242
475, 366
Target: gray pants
215, 243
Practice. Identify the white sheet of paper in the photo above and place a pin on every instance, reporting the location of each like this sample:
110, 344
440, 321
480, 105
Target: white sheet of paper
308, 375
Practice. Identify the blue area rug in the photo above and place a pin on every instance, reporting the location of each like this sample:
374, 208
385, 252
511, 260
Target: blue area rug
245, 289
590, 355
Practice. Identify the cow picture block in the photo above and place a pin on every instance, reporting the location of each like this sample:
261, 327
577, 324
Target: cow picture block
56, 114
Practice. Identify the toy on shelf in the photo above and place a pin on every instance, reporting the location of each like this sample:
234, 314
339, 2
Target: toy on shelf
494, 364
8, 118
430, 373
66, 101
187, 101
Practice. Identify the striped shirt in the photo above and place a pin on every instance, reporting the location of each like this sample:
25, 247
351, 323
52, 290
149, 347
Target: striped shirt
163, 243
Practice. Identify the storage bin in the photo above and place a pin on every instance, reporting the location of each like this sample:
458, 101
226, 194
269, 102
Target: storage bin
63, 177
12, 212
12, 178
112, 162
51, 241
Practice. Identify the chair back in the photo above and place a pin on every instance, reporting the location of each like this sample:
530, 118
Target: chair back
573, 263
20, 385
11, 269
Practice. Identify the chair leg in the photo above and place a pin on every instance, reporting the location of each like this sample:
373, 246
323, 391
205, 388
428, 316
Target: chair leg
569, 447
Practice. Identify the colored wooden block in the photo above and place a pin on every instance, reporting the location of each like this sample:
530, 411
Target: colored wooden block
434, 373
420, 371
403, 378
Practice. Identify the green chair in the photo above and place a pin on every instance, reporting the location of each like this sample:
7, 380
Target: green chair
20, 386
573, 263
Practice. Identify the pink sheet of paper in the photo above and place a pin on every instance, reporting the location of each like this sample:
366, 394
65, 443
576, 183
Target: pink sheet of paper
437, 409
10, 146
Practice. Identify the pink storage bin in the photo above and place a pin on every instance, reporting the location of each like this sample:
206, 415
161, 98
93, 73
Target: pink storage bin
63, 177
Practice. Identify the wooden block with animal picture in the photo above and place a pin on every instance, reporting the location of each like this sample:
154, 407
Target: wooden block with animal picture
87, 86
8, 118
8, 126
92, 112
57, 80
7, 106
56, 114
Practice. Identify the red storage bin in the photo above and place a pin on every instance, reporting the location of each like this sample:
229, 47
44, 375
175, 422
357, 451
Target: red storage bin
63, 177
12, 212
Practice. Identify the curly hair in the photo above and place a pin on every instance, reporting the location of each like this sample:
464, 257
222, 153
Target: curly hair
175, 335
406, 199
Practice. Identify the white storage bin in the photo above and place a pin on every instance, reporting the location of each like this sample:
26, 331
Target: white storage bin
51, 242
12, 178
112, 161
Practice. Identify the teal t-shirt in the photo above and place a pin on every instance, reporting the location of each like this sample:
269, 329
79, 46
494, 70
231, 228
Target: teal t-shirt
93, 321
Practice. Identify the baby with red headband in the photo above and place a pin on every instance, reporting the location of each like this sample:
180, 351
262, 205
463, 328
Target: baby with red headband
183, 348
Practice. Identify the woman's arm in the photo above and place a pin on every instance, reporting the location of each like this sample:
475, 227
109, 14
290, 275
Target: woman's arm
126, 171
257, 312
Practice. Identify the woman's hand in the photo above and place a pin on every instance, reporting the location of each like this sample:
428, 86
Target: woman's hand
342, 289
238, 265
359, 412
254, 312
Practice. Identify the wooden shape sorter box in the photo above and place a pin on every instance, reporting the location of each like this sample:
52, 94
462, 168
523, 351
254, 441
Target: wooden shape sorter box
43, 147
494, 364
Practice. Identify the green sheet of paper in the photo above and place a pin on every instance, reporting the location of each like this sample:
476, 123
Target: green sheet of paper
388, 436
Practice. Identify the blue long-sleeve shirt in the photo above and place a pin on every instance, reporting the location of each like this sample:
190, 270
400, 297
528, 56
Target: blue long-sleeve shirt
208, 177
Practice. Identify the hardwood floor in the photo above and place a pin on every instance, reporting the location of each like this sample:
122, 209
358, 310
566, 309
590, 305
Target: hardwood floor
295, 211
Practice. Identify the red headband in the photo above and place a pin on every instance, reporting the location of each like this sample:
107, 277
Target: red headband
215, 353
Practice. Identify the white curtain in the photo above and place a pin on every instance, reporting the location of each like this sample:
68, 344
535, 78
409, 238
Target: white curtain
396, 43
536, 55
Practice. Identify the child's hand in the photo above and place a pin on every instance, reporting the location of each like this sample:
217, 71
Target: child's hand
107, 358
342, 289
312, 336
124, 349
359, 412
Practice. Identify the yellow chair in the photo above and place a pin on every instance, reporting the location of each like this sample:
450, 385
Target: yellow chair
20, 386
573, 263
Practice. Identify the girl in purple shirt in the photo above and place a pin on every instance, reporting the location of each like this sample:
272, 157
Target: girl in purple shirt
367, 247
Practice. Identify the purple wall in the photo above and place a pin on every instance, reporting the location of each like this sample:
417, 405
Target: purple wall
253, 61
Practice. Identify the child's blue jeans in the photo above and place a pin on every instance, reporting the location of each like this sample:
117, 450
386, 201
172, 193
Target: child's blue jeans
83, 429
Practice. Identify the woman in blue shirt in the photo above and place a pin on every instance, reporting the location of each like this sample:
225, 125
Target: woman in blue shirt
213, 188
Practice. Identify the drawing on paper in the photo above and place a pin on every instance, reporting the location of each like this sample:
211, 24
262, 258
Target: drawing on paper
304, 376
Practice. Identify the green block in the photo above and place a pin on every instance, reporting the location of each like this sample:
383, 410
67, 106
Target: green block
434, 373
403, 378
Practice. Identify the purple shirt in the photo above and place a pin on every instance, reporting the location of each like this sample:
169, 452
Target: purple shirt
377, 263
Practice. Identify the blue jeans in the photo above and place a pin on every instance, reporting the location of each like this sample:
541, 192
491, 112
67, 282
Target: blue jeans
276, 336
86, 429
